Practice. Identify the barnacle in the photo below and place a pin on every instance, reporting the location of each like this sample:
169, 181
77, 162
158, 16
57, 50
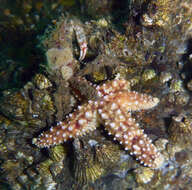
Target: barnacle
180, 130
86, 169
41, 81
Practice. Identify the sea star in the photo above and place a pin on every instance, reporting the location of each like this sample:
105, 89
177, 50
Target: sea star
112, 107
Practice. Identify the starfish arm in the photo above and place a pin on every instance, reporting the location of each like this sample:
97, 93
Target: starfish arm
112, 87
80, 122
131, 100
124, 129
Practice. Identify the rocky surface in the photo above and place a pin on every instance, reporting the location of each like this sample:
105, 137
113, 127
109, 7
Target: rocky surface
147, 43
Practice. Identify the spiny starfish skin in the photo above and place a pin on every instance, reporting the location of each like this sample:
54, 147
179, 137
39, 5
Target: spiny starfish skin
119, 123
113, 108
82, 121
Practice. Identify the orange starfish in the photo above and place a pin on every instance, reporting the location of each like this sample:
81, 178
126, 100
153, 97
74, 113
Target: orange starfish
113, 108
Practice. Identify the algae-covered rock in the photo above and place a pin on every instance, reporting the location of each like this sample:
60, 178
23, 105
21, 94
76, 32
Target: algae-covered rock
148, 45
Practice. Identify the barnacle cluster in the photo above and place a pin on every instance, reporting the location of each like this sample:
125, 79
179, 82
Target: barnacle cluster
26, 108
92, 160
